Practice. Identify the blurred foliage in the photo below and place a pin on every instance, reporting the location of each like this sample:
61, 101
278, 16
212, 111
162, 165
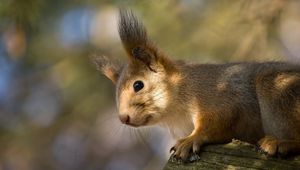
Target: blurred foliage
57, 112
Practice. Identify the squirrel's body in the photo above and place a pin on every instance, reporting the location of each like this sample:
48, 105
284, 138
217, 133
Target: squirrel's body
205, 103
230, 98
228, 92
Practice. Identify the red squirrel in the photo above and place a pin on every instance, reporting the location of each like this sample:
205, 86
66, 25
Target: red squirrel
204, 104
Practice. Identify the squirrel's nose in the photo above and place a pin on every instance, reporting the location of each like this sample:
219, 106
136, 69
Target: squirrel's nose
124, 118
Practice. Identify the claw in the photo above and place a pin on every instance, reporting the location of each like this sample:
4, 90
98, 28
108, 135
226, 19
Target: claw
172, 150
194, 157
174, 158
184, 148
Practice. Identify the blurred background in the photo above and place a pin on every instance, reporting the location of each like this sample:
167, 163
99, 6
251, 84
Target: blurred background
58, 112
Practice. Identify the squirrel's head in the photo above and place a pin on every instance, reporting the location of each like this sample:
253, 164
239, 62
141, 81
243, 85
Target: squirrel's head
145, 84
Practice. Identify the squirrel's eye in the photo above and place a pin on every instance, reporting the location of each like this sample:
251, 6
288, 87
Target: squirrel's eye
138, 85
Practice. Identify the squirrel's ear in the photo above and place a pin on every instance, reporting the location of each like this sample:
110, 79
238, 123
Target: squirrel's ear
110, 69
146, 56
137, 44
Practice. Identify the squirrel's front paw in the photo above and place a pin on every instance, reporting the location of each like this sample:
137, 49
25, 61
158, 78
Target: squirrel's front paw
185, 147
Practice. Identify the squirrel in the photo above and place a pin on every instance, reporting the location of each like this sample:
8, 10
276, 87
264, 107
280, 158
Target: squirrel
202, 104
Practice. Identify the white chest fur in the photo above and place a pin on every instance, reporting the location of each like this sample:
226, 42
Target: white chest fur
180, 121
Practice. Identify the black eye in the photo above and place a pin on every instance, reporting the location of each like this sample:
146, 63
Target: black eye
138, 85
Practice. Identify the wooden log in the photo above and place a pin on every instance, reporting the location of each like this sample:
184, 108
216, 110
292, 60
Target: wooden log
235, 155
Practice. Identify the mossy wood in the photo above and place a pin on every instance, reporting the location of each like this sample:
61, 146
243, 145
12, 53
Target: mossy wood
235, 155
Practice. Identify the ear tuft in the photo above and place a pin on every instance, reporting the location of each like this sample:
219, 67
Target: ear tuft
110, 69
140, 49
132, 32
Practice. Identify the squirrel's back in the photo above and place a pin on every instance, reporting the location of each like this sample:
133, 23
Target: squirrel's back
232, 87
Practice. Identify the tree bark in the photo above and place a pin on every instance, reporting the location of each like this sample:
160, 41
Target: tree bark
235, 155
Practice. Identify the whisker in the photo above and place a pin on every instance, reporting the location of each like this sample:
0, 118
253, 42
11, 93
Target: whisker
146, 132
141, 137
103, 121
136, 136
130, 133
119, 129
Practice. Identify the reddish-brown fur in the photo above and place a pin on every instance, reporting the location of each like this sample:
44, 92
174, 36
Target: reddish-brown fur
206, 103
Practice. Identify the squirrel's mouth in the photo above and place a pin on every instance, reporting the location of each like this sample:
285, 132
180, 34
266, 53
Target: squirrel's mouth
147, 119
